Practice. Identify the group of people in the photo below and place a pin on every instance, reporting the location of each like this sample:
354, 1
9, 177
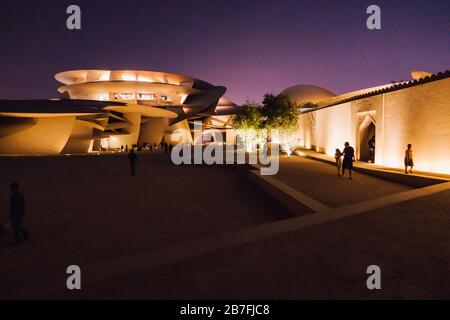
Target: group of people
348, 155
139, 147
16, 215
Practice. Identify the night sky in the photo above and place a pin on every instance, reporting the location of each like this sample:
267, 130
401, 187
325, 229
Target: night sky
249, 46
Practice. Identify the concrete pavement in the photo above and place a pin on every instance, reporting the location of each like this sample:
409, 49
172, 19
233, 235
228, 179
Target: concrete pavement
137, 242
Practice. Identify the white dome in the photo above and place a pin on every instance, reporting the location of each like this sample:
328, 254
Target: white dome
307, 93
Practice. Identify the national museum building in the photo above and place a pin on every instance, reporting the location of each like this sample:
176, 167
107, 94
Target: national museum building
108, 109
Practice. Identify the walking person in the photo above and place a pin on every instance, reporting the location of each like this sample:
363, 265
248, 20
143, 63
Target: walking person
17, 213
349, 158
409, 159
338, 157
132, 157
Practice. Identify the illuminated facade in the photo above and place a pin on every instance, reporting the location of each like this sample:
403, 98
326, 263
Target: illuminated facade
108, 110
416, 112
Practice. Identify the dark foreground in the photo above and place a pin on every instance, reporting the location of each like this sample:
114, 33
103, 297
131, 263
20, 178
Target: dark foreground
132, 236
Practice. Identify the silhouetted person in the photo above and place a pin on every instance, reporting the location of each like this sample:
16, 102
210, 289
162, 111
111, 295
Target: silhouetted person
371, 145
409, 159
166, 148
126, 148
170, 148
17, 213
338, 158
349, 158
132, 157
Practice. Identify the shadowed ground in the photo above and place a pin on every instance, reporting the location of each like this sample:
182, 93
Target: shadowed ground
321, 182
88, 210
409, 241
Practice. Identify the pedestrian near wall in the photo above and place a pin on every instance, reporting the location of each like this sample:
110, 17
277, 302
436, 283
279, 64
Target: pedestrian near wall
409, 162
349, 158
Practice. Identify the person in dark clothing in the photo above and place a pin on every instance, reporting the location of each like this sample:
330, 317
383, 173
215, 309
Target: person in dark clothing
409, 162
166, 148
371, 145
132, 157
17, 213
349, 158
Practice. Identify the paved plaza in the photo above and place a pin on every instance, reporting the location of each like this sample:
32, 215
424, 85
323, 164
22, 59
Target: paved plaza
208, 232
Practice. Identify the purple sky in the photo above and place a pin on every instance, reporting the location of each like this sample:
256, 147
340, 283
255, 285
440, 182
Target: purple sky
249, 46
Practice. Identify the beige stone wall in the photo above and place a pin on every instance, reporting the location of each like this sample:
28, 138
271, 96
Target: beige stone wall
419, 115
327, 129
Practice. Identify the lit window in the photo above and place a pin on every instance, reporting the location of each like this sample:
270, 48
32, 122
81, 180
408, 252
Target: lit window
147, 96
124, 96
165, 97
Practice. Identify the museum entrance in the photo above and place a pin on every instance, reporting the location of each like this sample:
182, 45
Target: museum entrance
367, 138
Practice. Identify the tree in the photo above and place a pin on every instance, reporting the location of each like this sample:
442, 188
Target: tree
279, 112
281, 117
248, 122
249, 117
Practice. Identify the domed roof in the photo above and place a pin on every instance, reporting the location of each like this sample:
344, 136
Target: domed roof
307, 93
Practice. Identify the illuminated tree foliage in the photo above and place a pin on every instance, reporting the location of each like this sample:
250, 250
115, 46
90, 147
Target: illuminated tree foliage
249, 117
276, 117
248, 124
279, 113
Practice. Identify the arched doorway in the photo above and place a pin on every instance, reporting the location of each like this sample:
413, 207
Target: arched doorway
367, 131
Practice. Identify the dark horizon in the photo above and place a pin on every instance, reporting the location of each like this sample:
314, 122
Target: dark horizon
251, 47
